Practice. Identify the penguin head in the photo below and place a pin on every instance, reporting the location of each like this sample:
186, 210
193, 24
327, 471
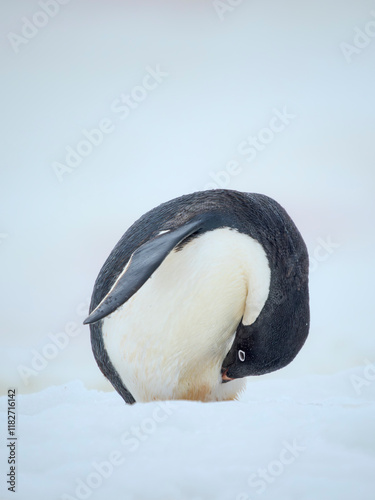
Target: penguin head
280, 330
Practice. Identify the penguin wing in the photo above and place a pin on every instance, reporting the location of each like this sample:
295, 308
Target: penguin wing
142, 263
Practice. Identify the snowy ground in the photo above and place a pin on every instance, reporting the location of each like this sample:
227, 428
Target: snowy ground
305, 438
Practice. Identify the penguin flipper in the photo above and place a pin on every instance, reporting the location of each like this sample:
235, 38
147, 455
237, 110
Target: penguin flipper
142, 263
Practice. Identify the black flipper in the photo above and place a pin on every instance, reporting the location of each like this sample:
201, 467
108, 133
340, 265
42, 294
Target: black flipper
142, 263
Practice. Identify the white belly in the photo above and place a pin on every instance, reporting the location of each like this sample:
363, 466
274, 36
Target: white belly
170, 339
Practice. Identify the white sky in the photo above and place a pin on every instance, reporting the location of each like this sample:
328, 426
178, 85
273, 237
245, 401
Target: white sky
225, 78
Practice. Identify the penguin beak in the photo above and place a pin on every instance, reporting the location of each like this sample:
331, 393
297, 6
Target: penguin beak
224, 375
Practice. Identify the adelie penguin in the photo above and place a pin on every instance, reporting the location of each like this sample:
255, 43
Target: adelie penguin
199, 293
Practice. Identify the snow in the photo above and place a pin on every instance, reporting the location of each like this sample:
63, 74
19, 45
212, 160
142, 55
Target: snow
304, 438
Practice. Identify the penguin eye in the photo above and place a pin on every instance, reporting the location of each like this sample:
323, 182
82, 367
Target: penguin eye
241, 355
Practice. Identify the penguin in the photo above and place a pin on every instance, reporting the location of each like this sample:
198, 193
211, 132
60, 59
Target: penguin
200, 293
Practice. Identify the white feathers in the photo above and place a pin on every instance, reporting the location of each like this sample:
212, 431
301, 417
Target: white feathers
169, 340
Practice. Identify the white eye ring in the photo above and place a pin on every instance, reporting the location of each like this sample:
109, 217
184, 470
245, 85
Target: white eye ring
241, 355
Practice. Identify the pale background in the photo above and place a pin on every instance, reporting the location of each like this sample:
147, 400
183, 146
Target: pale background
225, 77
